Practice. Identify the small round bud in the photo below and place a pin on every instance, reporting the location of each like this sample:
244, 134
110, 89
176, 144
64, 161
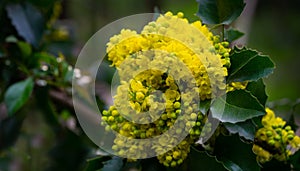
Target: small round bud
177, 105
290, 137
277, 137
173, 164
169, 158
105, 113
110, 118
269, 133
271, 142
288, 128
193, 116
114, 113
104, 118
180, 15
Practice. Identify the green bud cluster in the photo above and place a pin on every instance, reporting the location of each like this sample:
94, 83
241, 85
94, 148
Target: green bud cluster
177, 155
200, 127
275, 139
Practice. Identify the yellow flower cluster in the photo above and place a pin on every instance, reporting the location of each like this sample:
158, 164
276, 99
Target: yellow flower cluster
275, 140
163, 70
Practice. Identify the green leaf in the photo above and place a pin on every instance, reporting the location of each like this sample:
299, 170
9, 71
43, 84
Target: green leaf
115, 164
25, 48
232, 34
239, 106
219, 11
17, 95
234, 154
295, 160
27, 20
244, 129
199, 160
9, 130
257, 89
96, 163
204, 106
249, 65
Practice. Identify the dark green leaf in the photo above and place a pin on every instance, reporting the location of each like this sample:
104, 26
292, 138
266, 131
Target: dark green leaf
115, 164
234, 154
204, 106
295, 160
96, 163
202, 161
219, 11
9, 130
27, 20
152, 164
244, 129
257, 89
249, 65
232, 34
275, 165
239, 106
17, 95
257, 121
68, 153
25, 48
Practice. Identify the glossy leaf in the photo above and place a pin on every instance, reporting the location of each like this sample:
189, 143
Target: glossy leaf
232, 34
239, 106
244, 129
199, 160
249, 65
234, 154
96, 163
27, 20
17, 95
204, 106
115, 164
219, 11
257, 89
295, 160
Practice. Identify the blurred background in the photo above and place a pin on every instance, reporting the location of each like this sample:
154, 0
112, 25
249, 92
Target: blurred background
270, 26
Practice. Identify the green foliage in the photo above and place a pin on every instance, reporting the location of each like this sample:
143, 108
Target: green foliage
219, 11
245, 129
240, 105
234, 154
249, 65
232, 34
17, 95
27, 20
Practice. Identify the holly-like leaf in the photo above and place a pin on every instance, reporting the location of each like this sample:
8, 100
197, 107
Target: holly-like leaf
295, 160
115, 164
219, 11
257, 89
199, 160
234, 154
27, 20
249, 65
96, 163
237, 106
232, 34
17, 95
204, 106
244, 129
